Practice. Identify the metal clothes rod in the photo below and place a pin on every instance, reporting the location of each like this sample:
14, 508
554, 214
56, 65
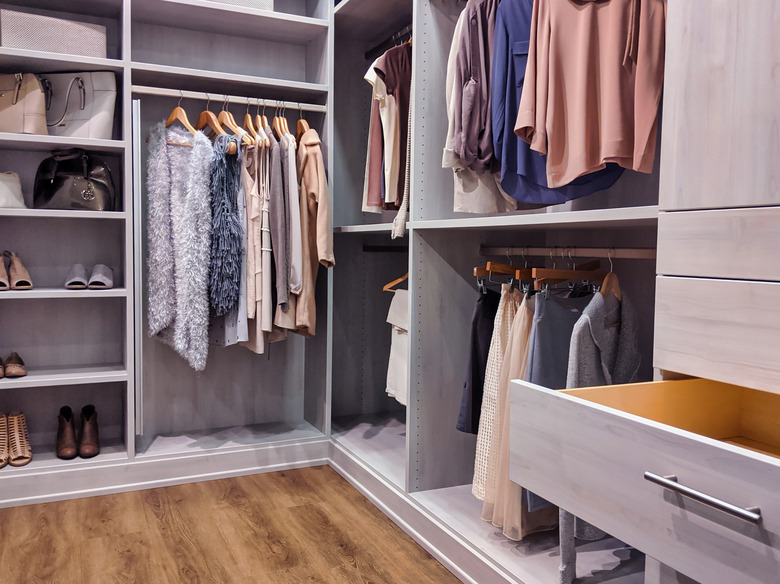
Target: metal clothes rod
218, 98
371, 54
558, 252
385, 248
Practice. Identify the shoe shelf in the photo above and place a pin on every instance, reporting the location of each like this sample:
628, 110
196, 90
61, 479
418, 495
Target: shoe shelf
27, 61
44, 143
213, 17
367, 228
45, 459
56, 376
62, 214
46, 293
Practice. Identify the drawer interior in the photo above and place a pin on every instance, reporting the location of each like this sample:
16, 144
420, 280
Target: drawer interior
730, 413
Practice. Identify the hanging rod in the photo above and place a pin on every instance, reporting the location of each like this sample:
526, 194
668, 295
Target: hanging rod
233, 99
617, 253
389, 43
386, 248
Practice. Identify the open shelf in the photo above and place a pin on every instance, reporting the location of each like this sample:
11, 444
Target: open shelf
379, 440
369, 228
62, 214
222, 83
46, 293
593, 218
43, 460
104, 8
44, 143
534, 560
15, 60
372, 21
213, 17
233, 438
55, 376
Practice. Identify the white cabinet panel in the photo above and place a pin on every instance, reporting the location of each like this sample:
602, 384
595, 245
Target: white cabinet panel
726, 330
724, 243
720, 144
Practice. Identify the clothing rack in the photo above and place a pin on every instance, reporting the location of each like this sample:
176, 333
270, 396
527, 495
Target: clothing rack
218, 98
561, 252
400, 36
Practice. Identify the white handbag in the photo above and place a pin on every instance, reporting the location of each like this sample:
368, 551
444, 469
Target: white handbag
80, 105
22, 104
11, 191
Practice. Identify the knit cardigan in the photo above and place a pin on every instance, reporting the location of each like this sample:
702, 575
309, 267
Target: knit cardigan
179, 239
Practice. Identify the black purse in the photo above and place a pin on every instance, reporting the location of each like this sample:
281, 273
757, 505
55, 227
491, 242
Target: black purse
73, 179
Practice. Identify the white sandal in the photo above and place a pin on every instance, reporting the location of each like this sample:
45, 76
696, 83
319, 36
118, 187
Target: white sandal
77, 277
102, 277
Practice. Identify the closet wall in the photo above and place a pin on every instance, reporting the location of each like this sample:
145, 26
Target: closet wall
77, 344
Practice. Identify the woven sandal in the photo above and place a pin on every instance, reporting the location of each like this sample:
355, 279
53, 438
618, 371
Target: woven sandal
14, 366
20, 277
20, 452
3, 440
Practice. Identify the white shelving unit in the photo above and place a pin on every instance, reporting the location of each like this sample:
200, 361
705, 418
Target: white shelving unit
64, 376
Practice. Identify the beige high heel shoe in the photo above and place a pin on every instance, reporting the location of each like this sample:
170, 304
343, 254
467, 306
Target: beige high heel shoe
20, 452
3, 440
3, 275
20, 277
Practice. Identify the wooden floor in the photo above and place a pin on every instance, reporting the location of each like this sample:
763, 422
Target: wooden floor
306, 525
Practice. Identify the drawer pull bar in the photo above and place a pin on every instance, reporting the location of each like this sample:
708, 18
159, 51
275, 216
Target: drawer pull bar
751, 514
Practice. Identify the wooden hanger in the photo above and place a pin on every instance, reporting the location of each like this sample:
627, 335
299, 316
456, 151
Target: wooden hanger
249, 125
302, 126
227, 120
261, 123
611, 284
587, 271
207, 118
390, 286
278, 124
179, 115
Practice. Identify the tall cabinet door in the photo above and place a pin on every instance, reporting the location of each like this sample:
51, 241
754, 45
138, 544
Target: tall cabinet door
721, 143
718, 274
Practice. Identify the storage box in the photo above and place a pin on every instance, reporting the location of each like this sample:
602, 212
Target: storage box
257, 4
35, 32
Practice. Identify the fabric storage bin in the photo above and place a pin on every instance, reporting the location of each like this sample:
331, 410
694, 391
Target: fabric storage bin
258, 4
35, 32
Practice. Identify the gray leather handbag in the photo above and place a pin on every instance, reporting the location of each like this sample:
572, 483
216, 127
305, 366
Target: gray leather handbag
73, 179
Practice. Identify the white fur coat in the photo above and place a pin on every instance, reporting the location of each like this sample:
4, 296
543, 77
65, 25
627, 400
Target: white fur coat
179, 237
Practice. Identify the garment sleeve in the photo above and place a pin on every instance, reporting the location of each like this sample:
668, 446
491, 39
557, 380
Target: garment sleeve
454, 96
584, 360
319, 203
500, 75
372, 182
531, 123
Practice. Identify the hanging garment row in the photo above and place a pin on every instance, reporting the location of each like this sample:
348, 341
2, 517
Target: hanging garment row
387, 159
238, 224
557, 337
518, 135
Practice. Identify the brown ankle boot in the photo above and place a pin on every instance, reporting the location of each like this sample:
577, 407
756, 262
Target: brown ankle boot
66, 435
89, 444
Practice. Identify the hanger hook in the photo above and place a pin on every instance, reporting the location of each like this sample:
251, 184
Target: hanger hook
300, 110
609, 255
208, 101
525, 260
552, 257
508, 258
226, 103
264, 104
181, 96
571, 261
247, 106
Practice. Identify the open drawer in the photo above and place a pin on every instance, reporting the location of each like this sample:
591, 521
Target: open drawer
588, 451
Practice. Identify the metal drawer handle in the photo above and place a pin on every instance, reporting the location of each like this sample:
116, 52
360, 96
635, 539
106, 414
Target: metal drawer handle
751, 514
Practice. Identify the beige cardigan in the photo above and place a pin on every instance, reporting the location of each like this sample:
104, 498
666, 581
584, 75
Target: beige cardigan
316, 226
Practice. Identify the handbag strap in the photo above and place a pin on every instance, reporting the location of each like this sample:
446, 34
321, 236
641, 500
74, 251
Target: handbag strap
18, 87
63, 155
82, 93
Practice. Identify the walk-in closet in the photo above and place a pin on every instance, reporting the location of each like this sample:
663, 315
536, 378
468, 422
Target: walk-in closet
378, 392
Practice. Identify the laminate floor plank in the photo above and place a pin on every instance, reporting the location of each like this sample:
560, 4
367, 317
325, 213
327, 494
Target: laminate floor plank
305, 526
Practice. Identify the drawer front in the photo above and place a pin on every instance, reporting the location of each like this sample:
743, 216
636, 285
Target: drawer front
735, 243
724, 330
591, 460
